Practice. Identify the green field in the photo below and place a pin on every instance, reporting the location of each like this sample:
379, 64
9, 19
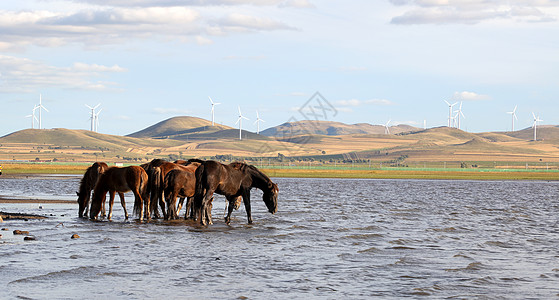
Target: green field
329, 172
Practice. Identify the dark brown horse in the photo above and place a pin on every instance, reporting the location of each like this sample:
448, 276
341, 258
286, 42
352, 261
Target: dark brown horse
232, 181
87, 184
180, 183
122, 180
154, 178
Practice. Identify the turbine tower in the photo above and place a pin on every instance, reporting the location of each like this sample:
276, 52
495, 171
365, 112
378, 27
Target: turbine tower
40, 106
92, 118
513, 113
535, 126
458, 114
213, 108
33, 117
97, 120
240, 121
450, 112
257, 122
386, 130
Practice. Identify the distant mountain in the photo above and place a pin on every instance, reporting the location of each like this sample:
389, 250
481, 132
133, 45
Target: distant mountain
82, 138
544, 132
178, 126
331, 128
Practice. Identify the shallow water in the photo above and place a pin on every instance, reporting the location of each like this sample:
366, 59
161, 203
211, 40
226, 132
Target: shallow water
331, 238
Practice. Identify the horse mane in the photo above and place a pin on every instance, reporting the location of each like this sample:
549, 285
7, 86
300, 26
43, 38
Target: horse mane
246, 168
89, 178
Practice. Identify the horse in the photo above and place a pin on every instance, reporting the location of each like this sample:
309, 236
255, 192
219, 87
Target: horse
153, 171
232, 181
157, 185
122, 180
182, 183
87, 184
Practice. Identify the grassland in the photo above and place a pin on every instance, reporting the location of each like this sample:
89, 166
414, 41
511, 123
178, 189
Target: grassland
16, 169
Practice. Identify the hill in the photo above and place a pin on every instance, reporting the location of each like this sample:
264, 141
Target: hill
331, 128
178, 126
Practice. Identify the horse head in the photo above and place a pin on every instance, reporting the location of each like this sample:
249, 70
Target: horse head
270, 197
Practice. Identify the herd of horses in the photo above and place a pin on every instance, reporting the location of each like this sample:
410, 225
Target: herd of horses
160, 182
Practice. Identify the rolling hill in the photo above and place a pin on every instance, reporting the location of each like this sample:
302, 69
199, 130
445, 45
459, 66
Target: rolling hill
178, 126
331, 128
195, 137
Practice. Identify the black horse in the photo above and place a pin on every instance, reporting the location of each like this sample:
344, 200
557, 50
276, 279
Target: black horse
232, 181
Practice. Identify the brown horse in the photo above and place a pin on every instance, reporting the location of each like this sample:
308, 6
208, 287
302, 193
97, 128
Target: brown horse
182, 183
153, 171
158, 185
232, 181
122, 180
87, 184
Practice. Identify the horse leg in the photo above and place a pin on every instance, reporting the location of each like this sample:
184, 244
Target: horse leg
246, 201
179, 207
170, 200
87, 204
142, 208
204, 207
111, 201
121, 195
231, 201
189, 211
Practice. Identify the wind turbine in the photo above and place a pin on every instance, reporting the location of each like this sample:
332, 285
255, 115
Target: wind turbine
240, 121
257, 122
33, 117
513, 113
450, 112
92, 118
386, 130
535, 126
458, 114
97, 120
40, 106
213, 108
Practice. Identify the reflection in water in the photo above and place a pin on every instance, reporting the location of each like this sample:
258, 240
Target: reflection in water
330, 238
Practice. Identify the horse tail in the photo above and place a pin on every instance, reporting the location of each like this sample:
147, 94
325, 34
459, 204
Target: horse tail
141, 190
199, 191
155, 187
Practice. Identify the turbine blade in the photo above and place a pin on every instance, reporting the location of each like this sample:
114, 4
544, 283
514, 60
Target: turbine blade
88, 106
211, 101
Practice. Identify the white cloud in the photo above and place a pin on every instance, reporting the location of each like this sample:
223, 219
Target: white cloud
236, 22
25, 75
469, 96
95, 26
475, 11
297, 3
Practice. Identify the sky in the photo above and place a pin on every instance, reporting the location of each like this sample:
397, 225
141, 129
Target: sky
145, 61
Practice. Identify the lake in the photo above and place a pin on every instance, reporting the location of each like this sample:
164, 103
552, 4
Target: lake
331, 238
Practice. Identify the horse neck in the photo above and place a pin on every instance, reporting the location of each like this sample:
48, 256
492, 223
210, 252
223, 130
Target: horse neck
259, 179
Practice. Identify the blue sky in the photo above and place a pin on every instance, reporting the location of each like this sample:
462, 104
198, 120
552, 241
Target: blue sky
374, 61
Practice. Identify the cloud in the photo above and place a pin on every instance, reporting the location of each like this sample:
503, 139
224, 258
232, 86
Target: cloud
469, 96
297, 4
474, 11
25, 75
356, 102
236, 22
163, 3
97, 26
